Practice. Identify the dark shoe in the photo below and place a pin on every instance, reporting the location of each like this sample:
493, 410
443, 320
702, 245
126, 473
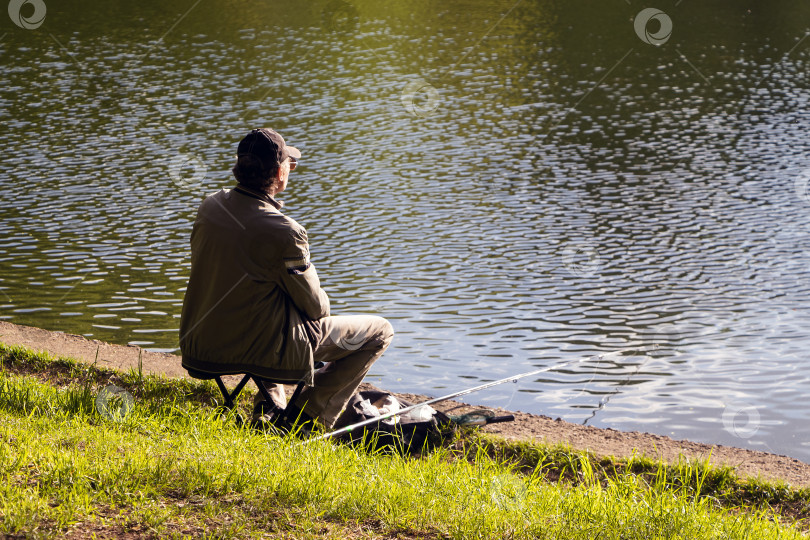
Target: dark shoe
266, 415
298, 423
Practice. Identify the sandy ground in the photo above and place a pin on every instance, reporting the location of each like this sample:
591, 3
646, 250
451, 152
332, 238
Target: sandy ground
603, 442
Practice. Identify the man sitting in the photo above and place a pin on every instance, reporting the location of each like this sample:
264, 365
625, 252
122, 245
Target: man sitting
254, 302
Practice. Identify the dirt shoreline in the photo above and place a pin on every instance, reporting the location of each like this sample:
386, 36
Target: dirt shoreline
602, 442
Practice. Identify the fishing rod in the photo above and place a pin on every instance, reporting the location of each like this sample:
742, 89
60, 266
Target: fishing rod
513, 378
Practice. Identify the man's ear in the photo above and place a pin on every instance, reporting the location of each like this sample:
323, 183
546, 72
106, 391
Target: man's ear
277, 178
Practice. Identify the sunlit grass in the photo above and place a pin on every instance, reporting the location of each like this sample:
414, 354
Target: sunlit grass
174, 466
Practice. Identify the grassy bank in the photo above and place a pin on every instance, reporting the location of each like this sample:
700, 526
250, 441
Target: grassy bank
171, 467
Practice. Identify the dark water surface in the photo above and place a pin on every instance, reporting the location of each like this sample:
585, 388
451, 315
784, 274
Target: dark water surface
514, 185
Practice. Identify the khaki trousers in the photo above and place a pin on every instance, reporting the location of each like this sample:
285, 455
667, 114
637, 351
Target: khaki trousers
349, 345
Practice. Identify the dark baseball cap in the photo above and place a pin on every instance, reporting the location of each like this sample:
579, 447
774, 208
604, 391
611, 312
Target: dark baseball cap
267, 145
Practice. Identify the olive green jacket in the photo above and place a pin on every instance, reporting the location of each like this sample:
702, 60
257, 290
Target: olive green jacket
253, 294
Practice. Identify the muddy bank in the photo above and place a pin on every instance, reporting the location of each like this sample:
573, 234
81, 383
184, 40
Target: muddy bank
603, 442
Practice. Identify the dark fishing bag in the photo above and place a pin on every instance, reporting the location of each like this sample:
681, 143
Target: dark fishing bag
409, 434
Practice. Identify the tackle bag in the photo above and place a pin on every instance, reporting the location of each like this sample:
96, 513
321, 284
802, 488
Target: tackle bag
420, 429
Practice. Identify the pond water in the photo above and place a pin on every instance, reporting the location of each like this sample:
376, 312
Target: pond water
513, 184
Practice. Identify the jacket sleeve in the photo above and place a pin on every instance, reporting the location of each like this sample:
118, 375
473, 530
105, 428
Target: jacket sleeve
301, 280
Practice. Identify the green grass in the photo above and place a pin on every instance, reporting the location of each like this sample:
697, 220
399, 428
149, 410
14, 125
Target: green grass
563, 464
173, 467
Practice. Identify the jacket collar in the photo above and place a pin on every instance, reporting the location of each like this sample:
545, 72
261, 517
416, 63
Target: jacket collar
244, 190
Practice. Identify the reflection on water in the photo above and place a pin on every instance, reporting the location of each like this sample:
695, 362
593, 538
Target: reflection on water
511, 188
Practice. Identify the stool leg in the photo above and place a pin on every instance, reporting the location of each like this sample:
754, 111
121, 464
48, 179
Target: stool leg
263, 390
225, 394
230, 397
291, 404
239, 387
